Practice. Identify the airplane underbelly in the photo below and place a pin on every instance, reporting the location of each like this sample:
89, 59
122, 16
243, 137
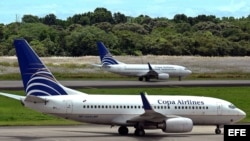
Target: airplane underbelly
98, 118
209, 119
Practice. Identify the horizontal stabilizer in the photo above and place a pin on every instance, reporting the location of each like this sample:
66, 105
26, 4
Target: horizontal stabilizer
35, 99
97, 65
13, 96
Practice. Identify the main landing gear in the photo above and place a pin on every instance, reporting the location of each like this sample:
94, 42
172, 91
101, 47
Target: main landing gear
123, 130
146, 78
217, 130
139, 132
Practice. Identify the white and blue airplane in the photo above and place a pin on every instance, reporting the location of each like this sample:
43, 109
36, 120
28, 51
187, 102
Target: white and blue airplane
171, 114
147, 71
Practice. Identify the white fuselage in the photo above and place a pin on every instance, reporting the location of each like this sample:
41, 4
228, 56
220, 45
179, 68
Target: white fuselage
117, 109
142, 69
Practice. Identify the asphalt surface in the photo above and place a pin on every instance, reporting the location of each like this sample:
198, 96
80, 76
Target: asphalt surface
101, 133
8, 85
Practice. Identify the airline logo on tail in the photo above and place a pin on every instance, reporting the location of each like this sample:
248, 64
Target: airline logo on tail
105, 55
37, 79
42, 83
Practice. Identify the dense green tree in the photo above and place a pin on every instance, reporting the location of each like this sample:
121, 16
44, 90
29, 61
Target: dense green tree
180, 18
119, 18
83, 40
1, 32
102, 15
49, 19
30, 19
204, 35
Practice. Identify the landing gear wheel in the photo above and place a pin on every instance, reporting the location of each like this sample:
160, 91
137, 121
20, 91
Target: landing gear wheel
217, 131
179, 78
140, 78
123, 130
147, 78
139, 132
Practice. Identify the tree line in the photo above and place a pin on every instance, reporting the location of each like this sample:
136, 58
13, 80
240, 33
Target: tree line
203, 35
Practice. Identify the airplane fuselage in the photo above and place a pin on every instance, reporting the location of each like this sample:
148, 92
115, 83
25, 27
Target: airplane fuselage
141, 69
116, 110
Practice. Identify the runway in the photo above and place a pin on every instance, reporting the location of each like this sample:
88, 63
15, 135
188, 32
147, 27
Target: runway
9, 85
100, 133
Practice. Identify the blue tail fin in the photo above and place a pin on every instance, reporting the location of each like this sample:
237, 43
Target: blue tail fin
37, 79
105, 55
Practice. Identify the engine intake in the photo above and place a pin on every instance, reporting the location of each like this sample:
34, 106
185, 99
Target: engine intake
179, 125
163, 76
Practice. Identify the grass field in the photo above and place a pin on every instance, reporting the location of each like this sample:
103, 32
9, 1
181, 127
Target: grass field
13, 113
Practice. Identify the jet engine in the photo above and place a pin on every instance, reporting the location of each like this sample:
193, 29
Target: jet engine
179, 124
163, 76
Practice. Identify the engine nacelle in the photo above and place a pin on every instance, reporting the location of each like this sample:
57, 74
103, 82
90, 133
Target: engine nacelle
163, 76
178, 125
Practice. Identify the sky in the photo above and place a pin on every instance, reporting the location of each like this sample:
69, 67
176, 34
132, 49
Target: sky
12, 10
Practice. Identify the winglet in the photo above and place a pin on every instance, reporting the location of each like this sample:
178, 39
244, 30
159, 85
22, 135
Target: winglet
150, 67
146, 104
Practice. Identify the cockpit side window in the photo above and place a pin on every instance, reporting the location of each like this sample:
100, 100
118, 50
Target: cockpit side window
231, 106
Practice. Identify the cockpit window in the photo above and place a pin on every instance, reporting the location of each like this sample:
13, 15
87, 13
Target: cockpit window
231, 106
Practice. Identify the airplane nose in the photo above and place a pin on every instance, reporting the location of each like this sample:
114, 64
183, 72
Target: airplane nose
242, 114
188, 72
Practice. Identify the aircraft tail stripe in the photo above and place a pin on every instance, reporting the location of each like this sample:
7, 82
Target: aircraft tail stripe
37, 79
105, 55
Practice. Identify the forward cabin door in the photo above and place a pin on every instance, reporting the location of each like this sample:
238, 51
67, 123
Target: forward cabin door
219, 108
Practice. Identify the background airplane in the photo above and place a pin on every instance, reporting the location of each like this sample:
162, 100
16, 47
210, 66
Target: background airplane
171, 114
146, 71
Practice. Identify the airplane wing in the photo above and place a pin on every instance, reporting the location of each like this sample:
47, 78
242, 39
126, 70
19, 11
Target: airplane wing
13, 96
150, 114
151, 72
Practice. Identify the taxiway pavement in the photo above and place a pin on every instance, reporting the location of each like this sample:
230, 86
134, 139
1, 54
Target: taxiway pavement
101, 133
9, 85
